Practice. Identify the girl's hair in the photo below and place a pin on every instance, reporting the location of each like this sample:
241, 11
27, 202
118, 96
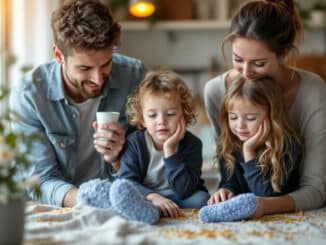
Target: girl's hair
274, 22
281, 140
84, 25
160, 82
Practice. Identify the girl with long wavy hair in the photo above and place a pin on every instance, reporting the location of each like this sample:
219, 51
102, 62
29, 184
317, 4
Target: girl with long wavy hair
259, 151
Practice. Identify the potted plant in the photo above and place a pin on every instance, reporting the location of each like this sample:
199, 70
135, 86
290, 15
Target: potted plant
14, 149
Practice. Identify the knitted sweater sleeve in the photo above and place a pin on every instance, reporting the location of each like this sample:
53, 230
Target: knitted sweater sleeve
309, 115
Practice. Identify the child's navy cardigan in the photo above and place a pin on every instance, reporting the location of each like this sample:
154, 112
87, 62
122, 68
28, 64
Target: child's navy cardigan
183, 169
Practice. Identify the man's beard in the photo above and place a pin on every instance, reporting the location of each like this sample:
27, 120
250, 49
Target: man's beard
79, 91
84, 93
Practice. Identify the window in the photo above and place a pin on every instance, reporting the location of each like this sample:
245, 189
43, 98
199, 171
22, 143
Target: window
4, 46
4, 40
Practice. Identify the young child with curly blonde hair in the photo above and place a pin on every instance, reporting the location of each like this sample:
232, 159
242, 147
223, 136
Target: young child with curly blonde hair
162, 158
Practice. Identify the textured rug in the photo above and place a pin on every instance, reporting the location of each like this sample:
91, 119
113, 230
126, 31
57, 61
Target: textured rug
87, 225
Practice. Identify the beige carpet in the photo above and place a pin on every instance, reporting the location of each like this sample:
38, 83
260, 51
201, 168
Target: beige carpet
86, 225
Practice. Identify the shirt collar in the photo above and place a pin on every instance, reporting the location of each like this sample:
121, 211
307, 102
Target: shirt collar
55, 91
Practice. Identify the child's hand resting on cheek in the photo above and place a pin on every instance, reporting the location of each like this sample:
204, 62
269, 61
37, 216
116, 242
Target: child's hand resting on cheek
170, 145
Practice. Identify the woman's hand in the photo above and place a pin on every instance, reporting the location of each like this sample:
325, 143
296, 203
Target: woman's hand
170, 145
220, 196
250, 145
109, 141
167, 206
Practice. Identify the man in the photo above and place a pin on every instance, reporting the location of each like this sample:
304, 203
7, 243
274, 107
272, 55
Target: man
59, 99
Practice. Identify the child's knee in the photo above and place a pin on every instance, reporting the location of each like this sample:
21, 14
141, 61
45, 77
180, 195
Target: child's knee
199, 199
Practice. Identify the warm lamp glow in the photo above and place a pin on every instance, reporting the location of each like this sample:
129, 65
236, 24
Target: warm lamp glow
141, 9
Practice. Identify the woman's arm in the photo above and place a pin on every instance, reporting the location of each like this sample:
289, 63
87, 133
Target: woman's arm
309, 115
274, 205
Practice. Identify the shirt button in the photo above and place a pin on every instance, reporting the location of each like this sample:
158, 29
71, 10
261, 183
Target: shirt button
62, 144
74, 115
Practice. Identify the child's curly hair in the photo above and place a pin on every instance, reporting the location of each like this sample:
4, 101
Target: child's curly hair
160, 82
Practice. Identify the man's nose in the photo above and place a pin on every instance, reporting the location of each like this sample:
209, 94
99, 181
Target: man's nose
97, 77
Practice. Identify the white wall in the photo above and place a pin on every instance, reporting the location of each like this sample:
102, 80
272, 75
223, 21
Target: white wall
31, 39
193, 49
182, 49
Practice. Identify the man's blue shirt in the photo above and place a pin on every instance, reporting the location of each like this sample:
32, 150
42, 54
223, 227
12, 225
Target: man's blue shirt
40, 101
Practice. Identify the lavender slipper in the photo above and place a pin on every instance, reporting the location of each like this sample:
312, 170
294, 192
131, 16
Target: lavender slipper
239, 207
95, 193
131, 204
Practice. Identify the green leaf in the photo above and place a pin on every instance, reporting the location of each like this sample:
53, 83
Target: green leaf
4, 91
17, 141
11, 140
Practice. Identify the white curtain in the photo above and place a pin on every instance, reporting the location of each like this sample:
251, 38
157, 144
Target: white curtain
31, 36
4, 14
3, 48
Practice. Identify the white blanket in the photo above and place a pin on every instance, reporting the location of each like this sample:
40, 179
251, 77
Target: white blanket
87, 225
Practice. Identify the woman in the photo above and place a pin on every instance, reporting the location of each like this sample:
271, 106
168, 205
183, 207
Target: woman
263, 35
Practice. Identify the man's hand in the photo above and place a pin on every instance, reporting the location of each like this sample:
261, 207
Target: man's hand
167, 206
70, 199
220, 196
110, 141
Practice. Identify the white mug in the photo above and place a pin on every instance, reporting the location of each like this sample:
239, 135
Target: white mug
106, 117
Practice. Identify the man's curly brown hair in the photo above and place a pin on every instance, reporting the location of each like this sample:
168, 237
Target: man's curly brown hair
84, 25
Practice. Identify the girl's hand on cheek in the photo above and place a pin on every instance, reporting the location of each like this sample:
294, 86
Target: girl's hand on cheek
250, 146
170, 145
